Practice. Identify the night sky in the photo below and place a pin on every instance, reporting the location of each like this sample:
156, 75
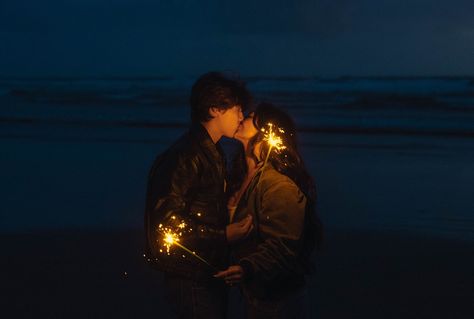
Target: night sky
269, 37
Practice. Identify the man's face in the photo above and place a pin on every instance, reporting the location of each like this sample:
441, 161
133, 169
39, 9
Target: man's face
246, 129
229, 120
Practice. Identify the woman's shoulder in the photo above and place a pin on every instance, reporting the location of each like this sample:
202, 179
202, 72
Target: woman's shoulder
278, 190
271, 178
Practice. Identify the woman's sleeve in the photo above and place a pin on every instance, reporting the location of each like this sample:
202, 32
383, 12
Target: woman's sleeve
280, 225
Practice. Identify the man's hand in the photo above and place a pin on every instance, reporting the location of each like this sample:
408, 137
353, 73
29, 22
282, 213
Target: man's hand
239, 230
233, 275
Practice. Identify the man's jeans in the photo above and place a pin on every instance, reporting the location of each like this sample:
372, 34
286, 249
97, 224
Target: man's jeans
191, 299
293, 306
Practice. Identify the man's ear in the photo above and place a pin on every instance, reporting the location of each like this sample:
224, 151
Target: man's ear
214, 111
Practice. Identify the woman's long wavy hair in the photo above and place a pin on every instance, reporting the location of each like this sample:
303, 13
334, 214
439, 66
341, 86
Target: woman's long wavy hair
287, 161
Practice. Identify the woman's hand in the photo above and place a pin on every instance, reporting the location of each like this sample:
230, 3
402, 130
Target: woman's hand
233, 275
239, 230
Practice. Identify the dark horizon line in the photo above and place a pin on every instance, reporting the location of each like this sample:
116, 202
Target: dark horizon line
321, 129
150, 77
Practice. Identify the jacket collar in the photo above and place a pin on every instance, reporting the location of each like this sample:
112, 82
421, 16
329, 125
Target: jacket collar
214, 151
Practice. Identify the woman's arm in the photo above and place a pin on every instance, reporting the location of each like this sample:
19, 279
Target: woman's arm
280, 226
281, 220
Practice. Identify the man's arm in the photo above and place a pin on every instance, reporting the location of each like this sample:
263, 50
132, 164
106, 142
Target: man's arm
170, 182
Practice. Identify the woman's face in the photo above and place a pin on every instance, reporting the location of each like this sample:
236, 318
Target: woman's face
246, 130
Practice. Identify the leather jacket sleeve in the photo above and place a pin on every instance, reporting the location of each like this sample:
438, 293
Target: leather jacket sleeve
280, 225
169, 187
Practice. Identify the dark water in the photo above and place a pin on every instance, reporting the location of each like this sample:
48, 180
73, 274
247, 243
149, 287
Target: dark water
426, 106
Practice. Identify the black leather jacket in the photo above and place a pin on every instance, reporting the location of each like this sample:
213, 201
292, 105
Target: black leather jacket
186, 185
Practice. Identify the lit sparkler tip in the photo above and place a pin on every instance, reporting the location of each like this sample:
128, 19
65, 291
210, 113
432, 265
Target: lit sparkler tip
272, 139
170, 238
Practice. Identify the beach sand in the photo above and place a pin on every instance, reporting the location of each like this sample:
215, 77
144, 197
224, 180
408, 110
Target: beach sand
398, 221
359, 275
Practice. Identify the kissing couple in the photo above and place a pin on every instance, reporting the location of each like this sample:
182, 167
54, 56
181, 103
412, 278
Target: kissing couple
253, 224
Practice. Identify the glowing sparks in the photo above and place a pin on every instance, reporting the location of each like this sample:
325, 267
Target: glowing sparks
273, 140
171, 237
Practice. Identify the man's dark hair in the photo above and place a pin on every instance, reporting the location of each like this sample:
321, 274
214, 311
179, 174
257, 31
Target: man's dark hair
215, 89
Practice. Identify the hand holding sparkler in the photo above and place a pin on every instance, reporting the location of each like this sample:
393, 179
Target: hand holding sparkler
232, 275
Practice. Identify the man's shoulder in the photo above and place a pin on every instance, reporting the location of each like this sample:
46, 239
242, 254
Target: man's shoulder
185, 148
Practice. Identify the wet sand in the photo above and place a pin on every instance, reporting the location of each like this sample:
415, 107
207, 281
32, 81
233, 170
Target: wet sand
78, 274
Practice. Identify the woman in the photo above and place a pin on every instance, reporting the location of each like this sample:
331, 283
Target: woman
272, 262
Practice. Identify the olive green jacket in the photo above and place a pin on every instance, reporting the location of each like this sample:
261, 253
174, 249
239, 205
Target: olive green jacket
271, 255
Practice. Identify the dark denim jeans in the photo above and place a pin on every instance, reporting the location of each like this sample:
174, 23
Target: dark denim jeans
192, 299
294, 306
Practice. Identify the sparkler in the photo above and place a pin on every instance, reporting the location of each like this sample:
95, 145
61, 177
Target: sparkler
274, 141
171, 238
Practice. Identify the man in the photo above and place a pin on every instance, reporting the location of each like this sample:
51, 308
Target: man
186, 195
